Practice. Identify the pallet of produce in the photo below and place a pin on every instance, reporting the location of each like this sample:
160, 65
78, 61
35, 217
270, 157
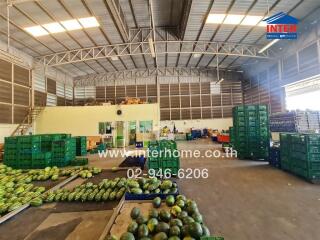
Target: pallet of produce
174, 218
150, 188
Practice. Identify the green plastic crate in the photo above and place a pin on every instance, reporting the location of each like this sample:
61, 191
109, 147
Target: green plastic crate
79, 162
153, 165
170, 164
313, 157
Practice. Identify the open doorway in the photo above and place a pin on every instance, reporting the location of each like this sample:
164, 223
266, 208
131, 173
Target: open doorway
304, 95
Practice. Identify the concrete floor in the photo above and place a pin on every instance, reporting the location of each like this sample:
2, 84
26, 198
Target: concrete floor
247, 200
240, 200
244, 200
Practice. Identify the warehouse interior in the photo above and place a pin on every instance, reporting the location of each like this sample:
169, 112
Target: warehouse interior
81, 80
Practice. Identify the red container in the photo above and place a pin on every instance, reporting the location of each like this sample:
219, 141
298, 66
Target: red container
223, 138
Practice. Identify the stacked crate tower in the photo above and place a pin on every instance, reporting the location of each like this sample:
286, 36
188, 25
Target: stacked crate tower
81, 146
38, 151
24, 152
63, 152
251, 131
158, 160
300, 155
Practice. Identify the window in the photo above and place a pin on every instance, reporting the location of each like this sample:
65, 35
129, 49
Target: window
304, 101
145, 126
303, 95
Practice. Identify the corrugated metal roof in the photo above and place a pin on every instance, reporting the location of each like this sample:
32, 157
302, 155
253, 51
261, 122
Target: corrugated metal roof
137, 15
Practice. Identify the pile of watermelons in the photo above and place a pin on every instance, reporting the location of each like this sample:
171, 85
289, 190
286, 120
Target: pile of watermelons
106, 190
182, 221
16, 189
84, 172
151, 185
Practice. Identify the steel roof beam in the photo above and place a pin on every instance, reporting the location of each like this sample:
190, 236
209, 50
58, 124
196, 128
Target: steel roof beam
115, 20
118, 18
133, 48
103, 78
136, 25
153, 33
184, 18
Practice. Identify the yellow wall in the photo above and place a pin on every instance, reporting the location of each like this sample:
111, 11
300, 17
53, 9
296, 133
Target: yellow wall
84, 120
6, 130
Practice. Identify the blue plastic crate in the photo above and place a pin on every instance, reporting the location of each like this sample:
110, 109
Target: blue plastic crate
130, 196
139, 144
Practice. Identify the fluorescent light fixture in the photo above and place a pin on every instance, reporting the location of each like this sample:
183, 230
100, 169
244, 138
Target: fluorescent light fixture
220, 81
54, 27
151, 46
215, 18
251, 20
89, 22
36, 31
268, 45
196, 55
233, 19
71, 24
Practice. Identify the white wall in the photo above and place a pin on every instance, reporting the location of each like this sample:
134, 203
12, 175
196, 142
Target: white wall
185, 125
6, 130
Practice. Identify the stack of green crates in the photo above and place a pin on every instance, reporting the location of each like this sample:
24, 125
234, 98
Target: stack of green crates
300, 155
47, 139
10, 152
251, 131
24, 152
63, 151
81, 146
231, 134
285, 148
38, 151
42, 160
162, 157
